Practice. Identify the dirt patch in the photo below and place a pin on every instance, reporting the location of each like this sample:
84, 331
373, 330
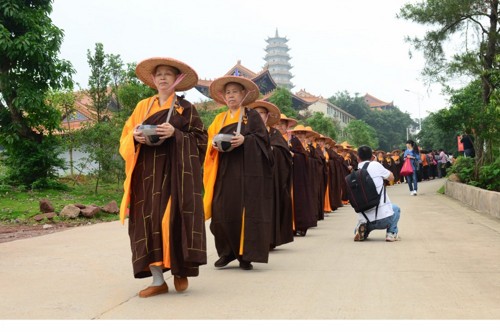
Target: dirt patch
17, 232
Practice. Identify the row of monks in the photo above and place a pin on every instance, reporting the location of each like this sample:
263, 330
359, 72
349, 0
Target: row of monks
309, 173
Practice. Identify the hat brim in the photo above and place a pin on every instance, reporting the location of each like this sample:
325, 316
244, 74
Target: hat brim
290, 122
274, 111
145, 68
217, 89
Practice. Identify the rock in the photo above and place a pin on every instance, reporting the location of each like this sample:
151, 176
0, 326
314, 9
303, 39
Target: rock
454, 178
40, 217
70, 211
80, 206
90, 211
46, 206
111, 207
46, 226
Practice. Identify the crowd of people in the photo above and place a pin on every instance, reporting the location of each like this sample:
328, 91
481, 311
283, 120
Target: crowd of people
259, 177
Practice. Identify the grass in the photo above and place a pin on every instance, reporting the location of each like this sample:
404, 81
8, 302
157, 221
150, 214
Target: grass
20, 206
441, 190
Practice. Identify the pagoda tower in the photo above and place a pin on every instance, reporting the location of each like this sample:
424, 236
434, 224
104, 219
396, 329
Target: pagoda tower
278, 61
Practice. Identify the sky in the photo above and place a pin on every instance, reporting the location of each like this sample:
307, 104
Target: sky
335, 45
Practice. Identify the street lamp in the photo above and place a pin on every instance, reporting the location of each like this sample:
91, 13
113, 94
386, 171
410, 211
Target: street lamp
418, 102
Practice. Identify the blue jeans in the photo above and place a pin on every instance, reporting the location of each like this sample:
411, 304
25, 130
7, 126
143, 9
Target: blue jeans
412, 181
390, 223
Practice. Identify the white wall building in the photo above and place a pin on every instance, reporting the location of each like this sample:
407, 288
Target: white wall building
322, 105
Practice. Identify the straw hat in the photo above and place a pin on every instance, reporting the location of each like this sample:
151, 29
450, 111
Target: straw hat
145, 70
306, 130
327, 140
312, 134
274, 111
339, 147
331, 141
346, 145
323, 138
218, 85
290, 122
397, 152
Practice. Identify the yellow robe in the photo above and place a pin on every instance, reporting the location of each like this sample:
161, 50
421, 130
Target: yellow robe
211, 164
128, 149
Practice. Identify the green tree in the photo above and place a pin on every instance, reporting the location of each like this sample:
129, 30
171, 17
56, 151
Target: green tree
360, 133
64, 101
283, 99
100, 141
475, 23
131, 91
29, 69
436, 134
99, 81
208, 116
353, 105
117, 76
390, 125
323, 125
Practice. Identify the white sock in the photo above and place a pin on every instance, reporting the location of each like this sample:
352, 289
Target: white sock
157, 273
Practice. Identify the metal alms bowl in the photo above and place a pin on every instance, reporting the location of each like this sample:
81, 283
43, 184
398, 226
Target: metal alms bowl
223, 142
149, 131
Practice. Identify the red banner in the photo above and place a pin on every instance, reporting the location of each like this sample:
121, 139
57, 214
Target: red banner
460, 145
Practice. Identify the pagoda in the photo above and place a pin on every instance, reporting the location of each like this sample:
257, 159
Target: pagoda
278, 61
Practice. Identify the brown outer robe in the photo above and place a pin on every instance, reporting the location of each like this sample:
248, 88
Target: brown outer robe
170, 171
304, 210
243, 189
335, 192
282, 230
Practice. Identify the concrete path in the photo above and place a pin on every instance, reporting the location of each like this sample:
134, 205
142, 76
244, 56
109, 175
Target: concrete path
447, 266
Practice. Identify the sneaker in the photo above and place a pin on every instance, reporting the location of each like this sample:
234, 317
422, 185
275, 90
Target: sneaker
411, 193
391, 237
414, 192
360, 233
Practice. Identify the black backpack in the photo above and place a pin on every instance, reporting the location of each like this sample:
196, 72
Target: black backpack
362, 191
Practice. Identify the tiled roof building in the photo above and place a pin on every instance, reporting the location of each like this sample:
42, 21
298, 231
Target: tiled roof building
322, 105
377, 104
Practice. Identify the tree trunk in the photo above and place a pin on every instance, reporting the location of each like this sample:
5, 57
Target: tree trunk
489, 58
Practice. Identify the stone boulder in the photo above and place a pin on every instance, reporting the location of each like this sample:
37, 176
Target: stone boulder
90, 211
70, 211
40, 217
454, 178
46, 206
111, 207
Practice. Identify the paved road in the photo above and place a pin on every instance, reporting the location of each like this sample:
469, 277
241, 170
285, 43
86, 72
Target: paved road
447, 266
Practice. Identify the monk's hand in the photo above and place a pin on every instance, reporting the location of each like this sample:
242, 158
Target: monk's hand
165, 130
237, 140
138, 136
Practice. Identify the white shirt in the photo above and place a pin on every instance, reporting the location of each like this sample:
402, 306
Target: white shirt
378, 174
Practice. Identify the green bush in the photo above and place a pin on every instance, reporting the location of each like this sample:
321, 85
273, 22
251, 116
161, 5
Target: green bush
489, 176
463, 167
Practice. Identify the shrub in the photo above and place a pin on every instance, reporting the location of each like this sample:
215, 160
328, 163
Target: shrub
463, 167
489, 176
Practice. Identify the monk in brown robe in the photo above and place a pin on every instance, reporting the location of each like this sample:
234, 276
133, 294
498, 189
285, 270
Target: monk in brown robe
321, 175
322, 147
346, 169
238, 176
337, 176
304, 208
163, 182
282, 223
